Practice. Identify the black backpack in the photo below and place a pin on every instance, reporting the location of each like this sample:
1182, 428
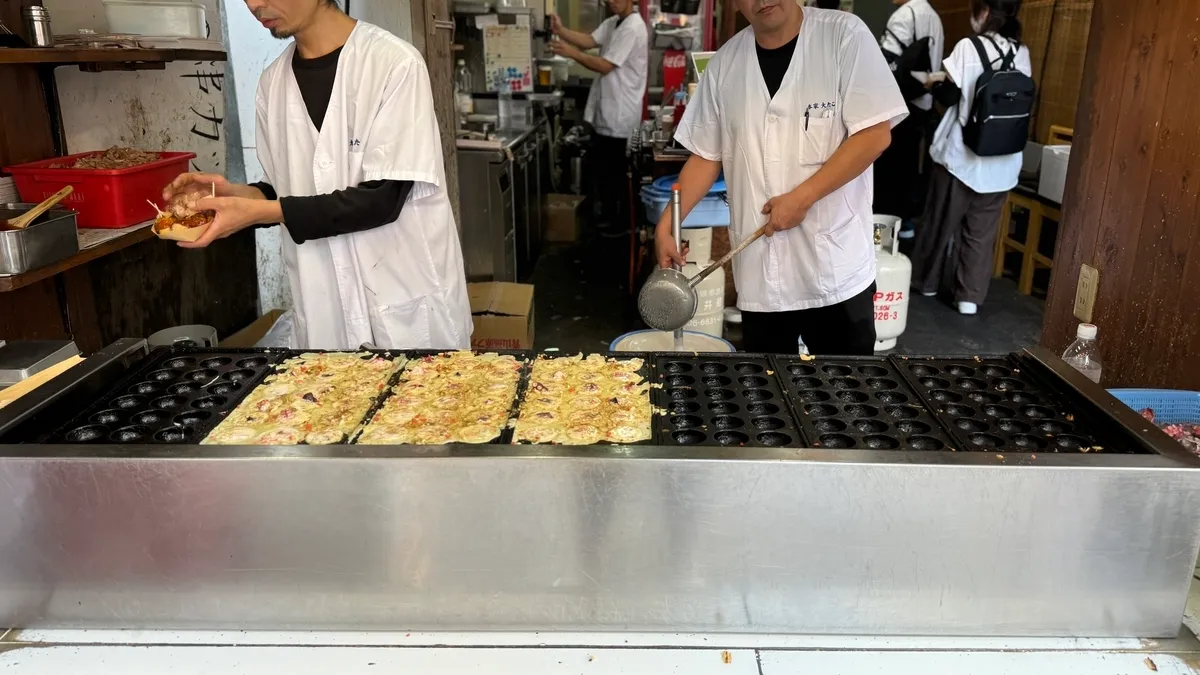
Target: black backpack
1004, 97
914, 58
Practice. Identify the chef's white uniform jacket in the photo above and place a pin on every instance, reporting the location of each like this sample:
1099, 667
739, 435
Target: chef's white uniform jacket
400, 285
838, 84
614, 103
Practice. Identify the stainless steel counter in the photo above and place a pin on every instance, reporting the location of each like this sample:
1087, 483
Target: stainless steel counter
599, 538
503, 181
498, 139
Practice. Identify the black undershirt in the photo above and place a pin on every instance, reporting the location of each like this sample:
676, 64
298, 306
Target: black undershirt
354, 209
774, 63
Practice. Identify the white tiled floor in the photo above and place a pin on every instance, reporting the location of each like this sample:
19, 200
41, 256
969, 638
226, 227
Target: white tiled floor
731, 641
196, 660
310, 660
972, 663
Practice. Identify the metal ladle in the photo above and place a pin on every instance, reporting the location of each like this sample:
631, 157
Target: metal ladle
668, 299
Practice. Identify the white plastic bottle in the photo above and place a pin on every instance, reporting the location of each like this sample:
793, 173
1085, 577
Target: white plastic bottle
462, 90
506, 106
1083, 354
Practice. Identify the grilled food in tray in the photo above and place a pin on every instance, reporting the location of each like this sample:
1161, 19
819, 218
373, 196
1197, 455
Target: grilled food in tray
457, 397
189, 228
317, 398
585, 400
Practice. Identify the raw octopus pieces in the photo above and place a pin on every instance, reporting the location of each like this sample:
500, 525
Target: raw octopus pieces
1187, 434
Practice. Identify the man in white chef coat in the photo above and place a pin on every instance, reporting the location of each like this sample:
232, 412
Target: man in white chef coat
349, 145
614, 105
795, 108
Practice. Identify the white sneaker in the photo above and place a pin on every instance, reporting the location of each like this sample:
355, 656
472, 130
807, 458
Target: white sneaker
968, 308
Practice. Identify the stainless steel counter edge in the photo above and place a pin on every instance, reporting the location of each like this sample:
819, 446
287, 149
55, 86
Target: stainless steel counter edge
591, 543
507, 139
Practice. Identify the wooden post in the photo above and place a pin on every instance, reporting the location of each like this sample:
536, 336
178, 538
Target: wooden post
1132, 200
433, 33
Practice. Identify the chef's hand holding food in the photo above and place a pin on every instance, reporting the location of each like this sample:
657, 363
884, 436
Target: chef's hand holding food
234, 214
204, 207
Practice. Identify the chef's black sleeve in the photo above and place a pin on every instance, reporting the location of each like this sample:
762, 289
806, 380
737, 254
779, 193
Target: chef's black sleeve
267, 189
354, 209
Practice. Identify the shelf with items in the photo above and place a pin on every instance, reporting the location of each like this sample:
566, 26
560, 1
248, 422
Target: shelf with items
66, 56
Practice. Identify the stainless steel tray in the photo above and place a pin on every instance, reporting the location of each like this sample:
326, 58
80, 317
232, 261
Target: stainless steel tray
47, 241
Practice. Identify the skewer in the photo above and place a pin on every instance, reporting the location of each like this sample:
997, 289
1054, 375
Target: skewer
156, 209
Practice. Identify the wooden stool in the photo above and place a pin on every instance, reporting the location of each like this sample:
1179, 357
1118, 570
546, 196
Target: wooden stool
1039, 209
1060, 135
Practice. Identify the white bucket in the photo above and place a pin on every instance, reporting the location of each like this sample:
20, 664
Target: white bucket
710, 293
712, 323
699, 242
662, 341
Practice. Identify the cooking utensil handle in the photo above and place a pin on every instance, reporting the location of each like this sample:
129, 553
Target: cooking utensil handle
22, 221
676, 207
729, 256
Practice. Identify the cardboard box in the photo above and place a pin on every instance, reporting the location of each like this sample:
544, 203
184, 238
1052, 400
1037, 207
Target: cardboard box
250, 335
503, 315
564, 218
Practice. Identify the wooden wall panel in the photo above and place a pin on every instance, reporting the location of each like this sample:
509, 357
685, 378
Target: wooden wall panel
1131, 206
956, 20
32, 313
1060, 72
25, 134
10, 15
155, 285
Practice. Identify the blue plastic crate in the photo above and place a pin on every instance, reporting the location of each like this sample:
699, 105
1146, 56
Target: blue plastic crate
1169, 406
710, 212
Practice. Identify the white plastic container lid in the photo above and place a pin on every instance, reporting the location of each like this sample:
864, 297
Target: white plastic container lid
1086, 331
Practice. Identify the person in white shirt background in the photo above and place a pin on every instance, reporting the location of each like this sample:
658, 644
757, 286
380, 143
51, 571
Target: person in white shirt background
795, 108
914, 43
614, 105
967, 192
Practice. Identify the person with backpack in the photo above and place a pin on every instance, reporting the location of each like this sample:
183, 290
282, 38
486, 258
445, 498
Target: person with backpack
989, 91
912, 44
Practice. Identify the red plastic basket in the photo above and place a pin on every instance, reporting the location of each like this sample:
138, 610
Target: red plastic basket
104, 198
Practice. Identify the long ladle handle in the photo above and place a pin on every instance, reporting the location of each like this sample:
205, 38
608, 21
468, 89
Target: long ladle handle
676, 220
728, 256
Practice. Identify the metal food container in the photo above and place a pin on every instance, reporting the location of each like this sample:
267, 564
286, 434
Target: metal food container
47, 241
